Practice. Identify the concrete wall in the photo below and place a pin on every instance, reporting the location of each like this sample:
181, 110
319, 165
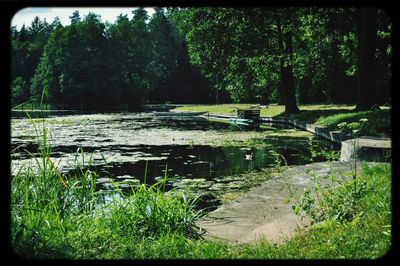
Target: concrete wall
364, 148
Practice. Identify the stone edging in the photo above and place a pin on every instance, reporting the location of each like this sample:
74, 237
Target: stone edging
364, 147
334, 136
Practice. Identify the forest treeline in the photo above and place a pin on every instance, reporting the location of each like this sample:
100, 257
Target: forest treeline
100, 66
206, 55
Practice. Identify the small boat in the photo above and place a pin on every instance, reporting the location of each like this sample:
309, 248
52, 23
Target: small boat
180, 115
174, 114
240, 121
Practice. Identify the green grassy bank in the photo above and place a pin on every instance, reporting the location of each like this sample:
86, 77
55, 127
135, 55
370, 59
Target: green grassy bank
379, 122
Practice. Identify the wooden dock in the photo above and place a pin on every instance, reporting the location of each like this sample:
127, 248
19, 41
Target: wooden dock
250, 118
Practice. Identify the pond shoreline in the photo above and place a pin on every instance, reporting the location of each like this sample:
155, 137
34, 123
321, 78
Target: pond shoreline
380, 147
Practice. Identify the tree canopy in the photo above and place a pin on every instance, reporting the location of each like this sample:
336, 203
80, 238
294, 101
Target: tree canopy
96, 66
275, 53
259, 55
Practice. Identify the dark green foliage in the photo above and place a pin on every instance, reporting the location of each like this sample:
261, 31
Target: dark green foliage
257, 52
367, 93
27, 46
89, 65
255, 55
19, 91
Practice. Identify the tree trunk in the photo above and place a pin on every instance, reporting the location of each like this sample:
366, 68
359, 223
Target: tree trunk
281, 86
367, 92
336, 86
290, 104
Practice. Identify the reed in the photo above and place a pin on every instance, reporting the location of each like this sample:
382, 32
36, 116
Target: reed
49, 208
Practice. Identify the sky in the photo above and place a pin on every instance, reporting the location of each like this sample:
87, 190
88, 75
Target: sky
26, 15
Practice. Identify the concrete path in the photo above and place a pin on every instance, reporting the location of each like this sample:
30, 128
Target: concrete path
264, 211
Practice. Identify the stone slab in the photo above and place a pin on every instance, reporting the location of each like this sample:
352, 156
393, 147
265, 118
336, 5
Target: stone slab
263, 212
366, 149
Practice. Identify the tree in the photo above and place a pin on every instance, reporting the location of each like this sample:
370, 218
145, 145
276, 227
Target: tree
288, 77
202, 54
340, 26
75, 18
164, 43
48, 71
142, 57
239, 46
367, 91
26, 49
119, 53
383, 57
211, 56
73, 68
19, 91
281, 86
56, 24
95, 91
287, 86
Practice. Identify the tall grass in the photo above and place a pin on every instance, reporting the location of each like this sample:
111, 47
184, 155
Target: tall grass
43, 200
63, 215
150, 211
